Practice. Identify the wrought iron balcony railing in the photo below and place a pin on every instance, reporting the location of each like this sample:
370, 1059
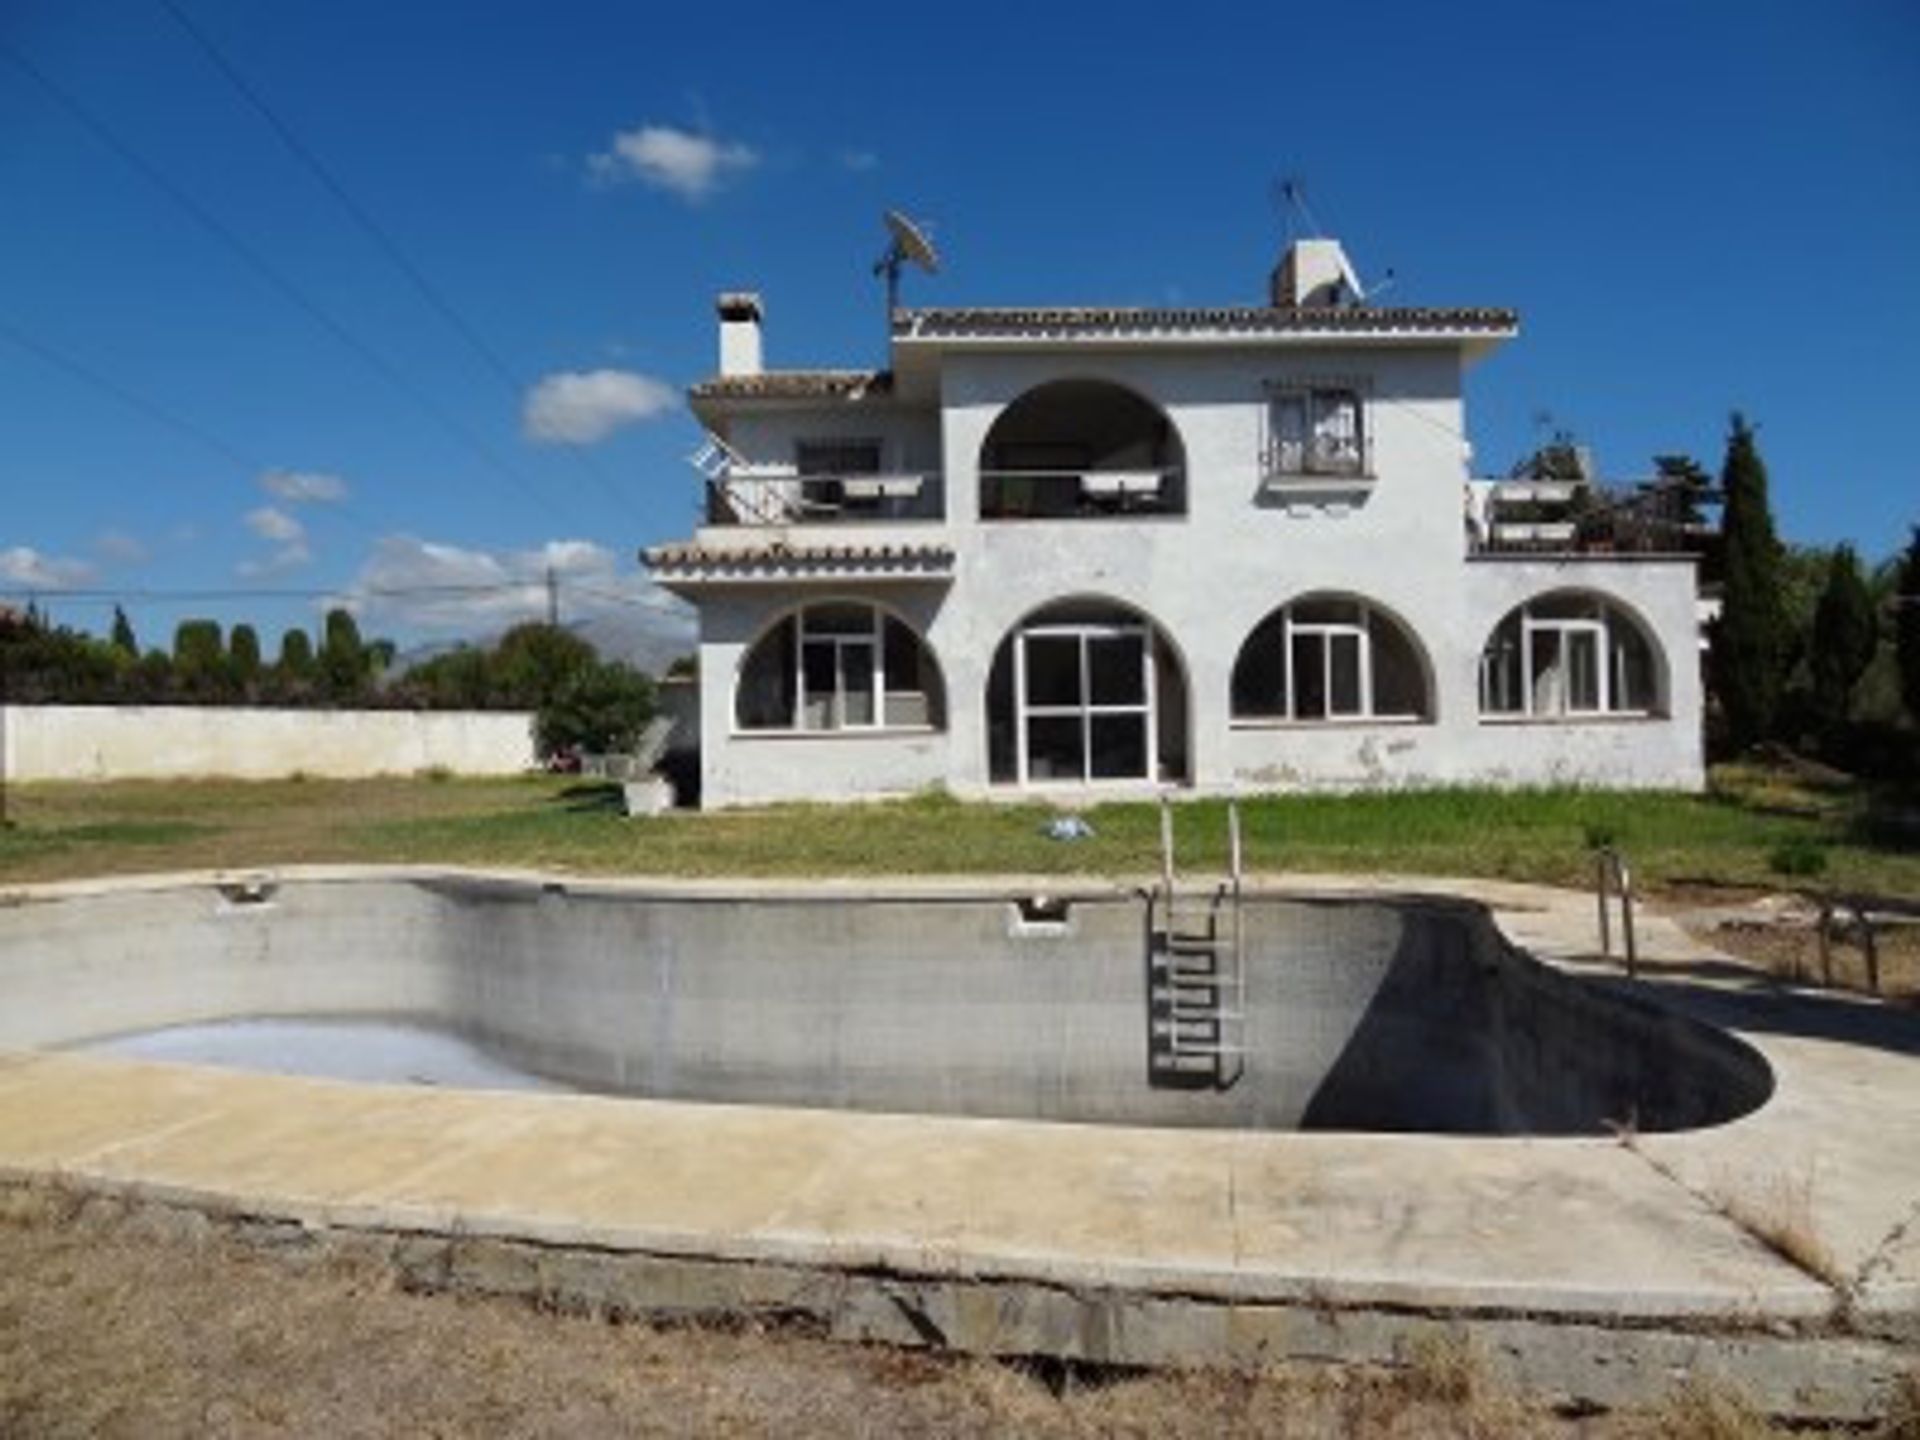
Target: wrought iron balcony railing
734, 498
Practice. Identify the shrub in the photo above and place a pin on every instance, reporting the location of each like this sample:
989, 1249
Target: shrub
1799, 856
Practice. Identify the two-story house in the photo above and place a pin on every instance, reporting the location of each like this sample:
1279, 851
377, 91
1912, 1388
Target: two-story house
1084, 551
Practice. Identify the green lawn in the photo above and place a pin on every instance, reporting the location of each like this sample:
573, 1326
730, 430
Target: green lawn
1752, 824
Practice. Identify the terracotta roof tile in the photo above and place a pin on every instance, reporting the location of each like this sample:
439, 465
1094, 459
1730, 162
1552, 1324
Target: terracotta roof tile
781, 556
795, 385
1247, 319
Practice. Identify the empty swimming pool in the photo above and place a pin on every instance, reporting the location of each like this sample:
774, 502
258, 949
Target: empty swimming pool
1390, 1013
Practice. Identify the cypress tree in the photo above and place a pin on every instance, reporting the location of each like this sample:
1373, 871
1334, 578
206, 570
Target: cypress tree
344, 665
1845, 631
296, 655
1906, 601
123, 637
1750, 642
196, 647
243, 653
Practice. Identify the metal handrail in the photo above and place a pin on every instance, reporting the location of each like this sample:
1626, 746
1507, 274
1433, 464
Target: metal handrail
1320, 458
1068, 493
1831, 907
1611, 871
781, 498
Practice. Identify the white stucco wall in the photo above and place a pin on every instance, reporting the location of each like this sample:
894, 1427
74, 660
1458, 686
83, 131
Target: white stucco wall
167, 742
1207, 578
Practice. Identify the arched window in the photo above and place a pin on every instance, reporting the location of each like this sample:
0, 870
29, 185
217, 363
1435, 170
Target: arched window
1566, 655
840, 666
1330, 657
1086, 691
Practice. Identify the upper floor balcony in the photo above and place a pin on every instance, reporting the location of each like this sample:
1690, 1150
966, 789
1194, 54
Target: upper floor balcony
738, 496
834, 482
1081, 450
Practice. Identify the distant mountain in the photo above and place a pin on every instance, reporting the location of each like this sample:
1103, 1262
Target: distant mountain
649, 632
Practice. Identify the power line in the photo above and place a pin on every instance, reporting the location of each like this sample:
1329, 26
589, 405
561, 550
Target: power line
382, 238
153, 410
265, 592
266, 271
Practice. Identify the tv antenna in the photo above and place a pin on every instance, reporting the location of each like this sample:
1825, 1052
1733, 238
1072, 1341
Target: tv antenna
908, 242
1290, 199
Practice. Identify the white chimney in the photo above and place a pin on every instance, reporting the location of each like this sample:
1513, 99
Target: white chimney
1315, 272
739, 333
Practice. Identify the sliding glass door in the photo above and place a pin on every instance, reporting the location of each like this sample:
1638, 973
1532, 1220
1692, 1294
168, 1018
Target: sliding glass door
1083, 698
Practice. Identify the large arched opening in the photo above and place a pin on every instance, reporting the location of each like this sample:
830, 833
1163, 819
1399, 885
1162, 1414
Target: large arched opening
1081, 449
1087, 691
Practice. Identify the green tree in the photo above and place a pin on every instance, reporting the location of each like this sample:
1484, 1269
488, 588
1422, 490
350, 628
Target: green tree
461, 679
599, 708
533, 661
296, 655
1906, 626
197, 644
1684, 489
243, 656
123, 636
200, 660
1750, 641
1844, 634
345, 666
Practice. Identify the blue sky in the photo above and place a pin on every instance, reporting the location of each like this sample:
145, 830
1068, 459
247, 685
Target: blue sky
1694, 207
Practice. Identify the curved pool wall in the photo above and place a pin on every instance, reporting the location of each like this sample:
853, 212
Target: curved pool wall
1386, 1013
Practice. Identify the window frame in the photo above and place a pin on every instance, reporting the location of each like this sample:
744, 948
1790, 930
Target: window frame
839, 642
1316, 400
1086, 710
1605, 622
1359, 631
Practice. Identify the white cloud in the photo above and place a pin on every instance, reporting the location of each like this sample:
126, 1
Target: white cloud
581, 407
303, 487
25, 566
859, 161
287, 534
687, 164
427, 587
292, 556
120, 548
270, 523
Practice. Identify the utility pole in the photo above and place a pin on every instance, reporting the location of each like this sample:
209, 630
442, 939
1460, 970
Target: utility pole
553, 598
6, 722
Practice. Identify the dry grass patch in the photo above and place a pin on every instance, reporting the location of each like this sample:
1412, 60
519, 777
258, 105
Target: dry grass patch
1702, 1410
112, 1327
1779, 1213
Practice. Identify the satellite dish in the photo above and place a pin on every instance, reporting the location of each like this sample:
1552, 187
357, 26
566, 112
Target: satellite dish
909, 242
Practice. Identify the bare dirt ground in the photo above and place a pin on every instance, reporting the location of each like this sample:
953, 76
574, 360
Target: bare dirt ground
1775, 932
109, 1330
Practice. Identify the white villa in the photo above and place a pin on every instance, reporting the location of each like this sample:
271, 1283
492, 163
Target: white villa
1073, 551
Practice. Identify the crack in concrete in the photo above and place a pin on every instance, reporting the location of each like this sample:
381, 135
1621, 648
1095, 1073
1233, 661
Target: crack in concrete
1882, 1252
1719, 1205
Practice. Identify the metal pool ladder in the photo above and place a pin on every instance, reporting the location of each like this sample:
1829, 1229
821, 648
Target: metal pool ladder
1196, 972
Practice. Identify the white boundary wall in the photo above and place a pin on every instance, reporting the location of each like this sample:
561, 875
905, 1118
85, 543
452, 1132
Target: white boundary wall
173, 742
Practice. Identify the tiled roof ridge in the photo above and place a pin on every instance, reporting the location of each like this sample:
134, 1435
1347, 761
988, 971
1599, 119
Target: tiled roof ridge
776, 384
784, 552
990, 319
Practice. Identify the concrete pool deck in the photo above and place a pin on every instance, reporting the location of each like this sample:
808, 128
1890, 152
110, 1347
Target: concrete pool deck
1595, 1269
